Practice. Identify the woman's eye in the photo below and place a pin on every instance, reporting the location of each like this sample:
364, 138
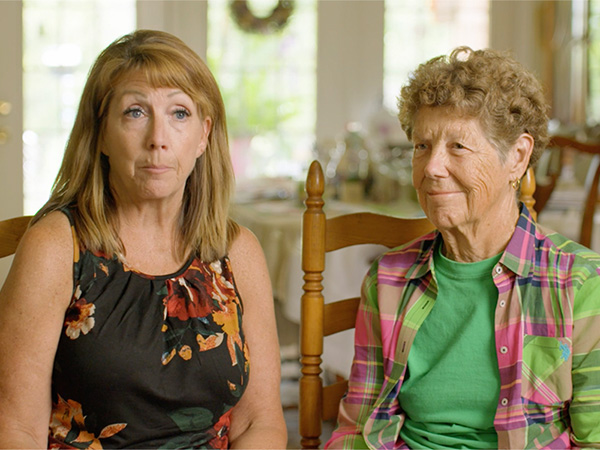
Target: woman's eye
458, 145
182, 114
420, 146
135, 113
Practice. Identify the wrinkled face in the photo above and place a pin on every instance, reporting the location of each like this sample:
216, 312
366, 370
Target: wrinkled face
152, 138
458, 174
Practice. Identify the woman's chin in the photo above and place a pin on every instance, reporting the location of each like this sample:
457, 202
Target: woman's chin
443, 218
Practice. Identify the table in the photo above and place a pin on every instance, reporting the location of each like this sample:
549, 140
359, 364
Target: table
277, 225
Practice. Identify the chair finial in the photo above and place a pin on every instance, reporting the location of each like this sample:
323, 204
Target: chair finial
315, 185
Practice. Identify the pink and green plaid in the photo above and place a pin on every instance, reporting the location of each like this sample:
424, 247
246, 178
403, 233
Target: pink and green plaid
547, 329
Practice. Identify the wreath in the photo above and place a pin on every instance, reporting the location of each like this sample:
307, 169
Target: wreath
272, 23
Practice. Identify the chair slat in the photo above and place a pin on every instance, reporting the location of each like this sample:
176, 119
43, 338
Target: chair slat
332, 395
370, 228
339, 316
11, 231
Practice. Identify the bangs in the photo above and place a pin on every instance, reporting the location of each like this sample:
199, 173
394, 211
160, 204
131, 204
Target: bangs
162, 70
165, 73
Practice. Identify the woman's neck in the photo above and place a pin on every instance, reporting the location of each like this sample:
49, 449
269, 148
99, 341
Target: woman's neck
481, 240
151, 239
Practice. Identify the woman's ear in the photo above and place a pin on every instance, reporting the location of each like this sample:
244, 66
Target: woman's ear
206, 129
520, 155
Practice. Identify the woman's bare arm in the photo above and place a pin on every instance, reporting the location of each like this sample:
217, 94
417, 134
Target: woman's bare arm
33, 302
257, 420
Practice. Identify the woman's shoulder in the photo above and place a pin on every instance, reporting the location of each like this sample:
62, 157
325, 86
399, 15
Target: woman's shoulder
563, 245
52, 231
568, 258
48, 241
246, 254
43, 262
410, 260
244, 245
249, 267
412, 251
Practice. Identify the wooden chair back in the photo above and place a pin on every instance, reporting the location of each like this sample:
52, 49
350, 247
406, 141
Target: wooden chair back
11, 231
544, 191
319, 318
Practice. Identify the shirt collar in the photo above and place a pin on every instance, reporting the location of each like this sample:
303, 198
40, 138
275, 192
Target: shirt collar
519, 252
517, 256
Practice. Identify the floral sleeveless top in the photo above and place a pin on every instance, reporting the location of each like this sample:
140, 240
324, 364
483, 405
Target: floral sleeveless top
148, 361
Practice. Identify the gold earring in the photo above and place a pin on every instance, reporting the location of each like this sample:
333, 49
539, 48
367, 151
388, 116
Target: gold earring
516, 184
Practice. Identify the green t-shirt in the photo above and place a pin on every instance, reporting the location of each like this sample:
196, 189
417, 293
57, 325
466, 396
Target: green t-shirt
452, 383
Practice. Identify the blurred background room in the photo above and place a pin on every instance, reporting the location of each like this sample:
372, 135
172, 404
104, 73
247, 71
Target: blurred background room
301, 80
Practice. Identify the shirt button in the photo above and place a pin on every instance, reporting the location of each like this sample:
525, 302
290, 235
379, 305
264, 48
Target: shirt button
502, 303
504, 401
503, 349
498, 269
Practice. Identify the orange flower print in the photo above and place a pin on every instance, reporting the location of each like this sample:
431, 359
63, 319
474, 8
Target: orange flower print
78, 318
210, 342
236, 389
168, 356
228, 319
103, 268
227, 316
247, 358
65, 414
185, 352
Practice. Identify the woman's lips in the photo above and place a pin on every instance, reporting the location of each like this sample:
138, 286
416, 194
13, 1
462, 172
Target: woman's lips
441, 193
156, 169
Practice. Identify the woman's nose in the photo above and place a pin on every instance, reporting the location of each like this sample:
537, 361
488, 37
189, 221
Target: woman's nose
435, 165
157, 134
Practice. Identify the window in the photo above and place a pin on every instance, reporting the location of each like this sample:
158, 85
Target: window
61, 39
418, 31
268, 82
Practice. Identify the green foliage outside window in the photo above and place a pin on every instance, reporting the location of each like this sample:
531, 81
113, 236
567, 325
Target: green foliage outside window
268, 83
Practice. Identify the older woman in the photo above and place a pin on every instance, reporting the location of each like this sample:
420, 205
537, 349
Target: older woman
484, 333
136, 313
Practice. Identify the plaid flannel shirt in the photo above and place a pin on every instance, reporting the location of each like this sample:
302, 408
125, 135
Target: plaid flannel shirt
547, 330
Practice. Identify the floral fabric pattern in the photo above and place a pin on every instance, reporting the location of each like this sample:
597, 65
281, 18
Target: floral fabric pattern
68, 421
192, 300
79, 316
148, 361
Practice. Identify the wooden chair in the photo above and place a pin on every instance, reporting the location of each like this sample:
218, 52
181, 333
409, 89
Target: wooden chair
544, 191
11, 231
319, 319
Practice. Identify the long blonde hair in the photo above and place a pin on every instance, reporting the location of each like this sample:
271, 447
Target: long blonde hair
82, 180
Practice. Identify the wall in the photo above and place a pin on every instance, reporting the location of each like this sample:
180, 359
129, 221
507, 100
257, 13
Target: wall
539, 34
350, 64
184, 18
11, 122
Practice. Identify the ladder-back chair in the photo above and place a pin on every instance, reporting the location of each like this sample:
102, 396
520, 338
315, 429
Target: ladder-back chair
590, 188
11, 232
320, 235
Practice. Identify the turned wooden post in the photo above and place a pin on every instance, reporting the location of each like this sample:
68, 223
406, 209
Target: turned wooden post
527, 190
313, 264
